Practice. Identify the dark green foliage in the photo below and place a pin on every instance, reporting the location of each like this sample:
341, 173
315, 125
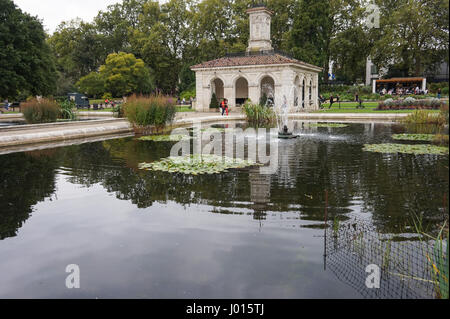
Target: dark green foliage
67, 109
214, 102
26, 60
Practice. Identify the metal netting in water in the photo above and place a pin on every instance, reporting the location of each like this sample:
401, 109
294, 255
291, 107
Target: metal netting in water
409, 267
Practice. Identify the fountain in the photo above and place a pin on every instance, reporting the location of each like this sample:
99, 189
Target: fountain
282, 120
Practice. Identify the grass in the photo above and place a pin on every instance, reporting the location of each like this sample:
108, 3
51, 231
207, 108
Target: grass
350, 107
184, 109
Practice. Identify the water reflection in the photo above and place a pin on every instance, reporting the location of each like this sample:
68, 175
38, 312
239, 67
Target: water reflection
391, 188
207, 222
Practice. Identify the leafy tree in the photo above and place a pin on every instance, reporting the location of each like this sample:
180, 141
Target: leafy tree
311, 33
78, 47
26, 60
117, 23
123, 74
92, 84
414, 35
350, 45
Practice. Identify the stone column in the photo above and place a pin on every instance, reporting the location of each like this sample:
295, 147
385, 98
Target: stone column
229, 93
254, 92
199, 91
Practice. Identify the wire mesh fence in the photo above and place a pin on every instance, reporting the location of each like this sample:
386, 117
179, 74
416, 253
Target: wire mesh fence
410, 267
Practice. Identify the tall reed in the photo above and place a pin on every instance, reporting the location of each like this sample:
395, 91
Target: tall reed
150, 111
41, 110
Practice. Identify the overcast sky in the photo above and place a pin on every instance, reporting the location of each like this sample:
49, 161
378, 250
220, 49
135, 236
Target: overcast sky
53, 12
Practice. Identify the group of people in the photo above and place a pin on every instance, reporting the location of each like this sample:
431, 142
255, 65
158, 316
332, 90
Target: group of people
403, 91
184, 102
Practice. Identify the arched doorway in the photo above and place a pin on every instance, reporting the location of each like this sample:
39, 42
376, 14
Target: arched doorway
268, 91
241, 91
303, 93
310, 93
296, 91
217, 88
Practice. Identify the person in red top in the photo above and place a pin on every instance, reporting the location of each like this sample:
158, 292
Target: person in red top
224, 106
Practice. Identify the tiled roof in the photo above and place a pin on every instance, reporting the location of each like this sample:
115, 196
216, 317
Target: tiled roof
271, 59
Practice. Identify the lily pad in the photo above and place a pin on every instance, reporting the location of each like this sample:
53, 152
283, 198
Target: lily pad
165, 138
333, 125
419, 149
197, 164
414, 137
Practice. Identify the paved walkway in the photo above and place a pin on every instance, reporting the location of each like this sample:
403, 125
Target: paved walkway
27, 134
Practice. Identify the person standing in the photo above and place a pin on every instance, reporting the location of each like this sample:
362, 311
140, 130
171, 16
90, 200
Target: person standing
222, 106
439, 92
226, 106
331, 101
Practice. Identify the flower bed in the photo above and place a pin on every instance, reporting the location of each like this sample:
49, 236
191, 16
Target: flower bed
410, 103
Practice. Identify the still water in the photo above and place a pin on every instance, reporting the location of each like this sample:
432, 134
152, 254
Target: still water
240, 234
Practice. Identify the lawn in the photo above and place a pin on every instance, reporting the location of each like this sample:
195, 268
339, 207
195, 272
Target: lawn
350, 107
184, 109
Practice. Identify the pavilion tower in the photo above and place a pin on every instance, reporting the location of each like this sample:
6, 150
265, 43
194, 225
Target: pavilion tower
260, 23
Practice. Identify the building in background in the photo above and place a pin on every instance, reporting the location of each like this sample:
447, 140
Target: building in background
260, 71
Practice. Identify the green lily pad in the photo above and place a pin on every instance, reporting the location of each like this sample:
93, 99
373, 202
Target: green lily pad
333, 125
414, 137
165, 138
419, 149
197, 164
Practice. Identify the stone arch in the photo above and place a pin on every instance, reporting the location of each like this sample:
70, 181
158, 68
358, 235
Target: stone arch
267, 86
218, 87
303, 83
310, 90
241, 90
297, 89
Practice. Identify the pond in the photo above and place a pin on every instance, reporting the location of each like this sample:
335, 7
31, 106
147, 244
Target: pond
238, 234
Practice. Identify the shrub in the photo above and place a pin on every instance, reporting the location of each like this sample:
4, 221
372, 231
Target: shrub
67, 109
41, 111
435, 103
187, 94
409, 101
157, 111
263, 99
214, 102
389, 102
259, 115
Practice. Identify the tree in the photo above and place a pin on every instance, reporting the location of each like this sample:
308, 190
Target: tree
26, 60
414, 35
214, 104
92, 84
311, 33
78, 47
123, 74
350, 43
